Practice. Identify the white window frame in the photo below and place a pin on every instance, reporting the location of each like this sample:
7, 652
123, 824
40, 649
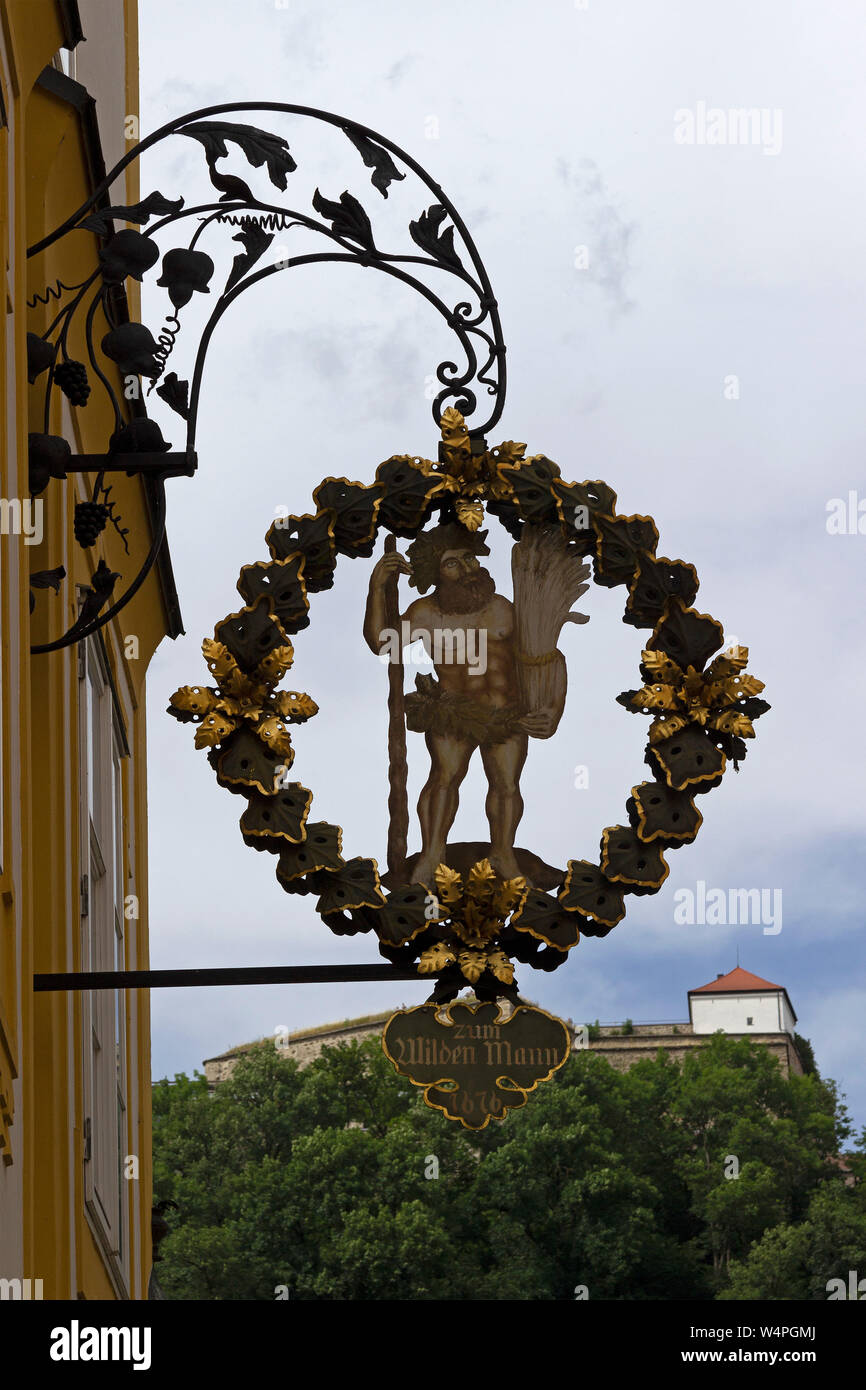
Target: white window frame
105, 1083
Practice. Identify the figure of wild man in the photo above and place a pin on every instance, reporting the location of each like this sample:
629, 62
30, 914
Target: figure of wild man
482, 702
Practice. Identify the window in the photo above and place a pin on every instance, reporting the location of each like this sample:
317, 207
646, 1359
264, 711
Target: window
103, 948
749, 1021
64, 61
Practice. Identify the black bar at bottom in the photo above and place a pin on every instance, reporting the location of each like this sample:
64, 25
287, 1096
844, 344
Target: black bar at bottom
253, 975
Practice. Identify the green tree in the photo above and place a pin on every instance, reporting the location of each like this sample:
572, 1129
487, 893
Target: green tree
798, 1261
806, 1054
278, 1173
581, 1196
336, 1182
753, 1144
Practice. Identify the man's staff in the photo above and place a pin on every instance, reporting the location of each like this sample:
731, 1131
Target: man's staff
398, 768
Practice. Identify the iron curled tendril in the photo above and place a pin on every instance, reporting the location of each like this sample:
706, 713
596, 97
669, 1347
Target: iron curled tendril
437, 231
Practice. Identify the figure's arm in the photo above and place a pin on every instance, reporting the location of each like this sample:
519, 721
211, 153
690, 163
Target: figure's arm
419, 616
375, 618
540, 723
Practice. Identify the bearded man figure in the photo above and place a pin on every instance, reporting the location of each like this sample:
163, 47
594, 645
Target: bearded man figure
474, 701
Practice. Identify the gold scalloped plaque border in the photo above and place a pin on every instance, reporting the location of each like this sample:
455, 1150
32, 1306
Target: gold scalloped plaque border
479, 1064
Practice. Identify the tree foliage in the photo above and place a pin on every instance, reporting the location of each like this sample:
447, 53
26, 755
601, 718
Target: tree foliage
663, 1182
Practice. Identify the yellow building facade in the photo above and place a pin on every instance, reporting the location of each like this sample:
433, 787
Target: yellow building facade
75, 1172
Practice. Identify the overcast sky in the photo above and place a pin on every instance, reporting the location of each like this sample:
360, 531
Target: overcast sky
551, 127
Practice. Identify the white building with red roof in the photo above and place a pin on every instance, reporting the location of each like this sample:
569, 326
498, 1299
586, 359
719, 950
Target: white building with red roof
742, 1003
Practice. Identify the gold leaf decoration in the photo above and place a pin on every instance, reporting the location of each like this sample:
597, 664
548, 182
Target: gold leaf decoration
435, 958
474, 912
471, 477
293, 704
276, 736
219, 659
661, 729
660, 665
449, 885
455, 434
509, 896
238, 683
731, 661
276, 664
502, 967
244, 699
736, 688
469, 514
481, 882
733, 723
193, 699
213, 730
707, 698
472, 964
655, 697
508, 453
474, 924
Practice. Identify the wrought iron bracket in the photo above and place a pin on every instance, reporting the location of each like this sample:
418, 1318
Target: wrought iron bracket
251, 975
172, 465
338, 230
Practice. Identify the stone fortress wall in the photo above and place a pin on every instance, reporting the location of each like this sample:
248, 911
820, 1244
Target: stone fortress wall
622, 1049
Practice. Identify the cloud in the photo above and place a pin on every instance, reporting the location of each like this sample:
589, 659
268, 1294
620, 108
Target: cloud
398, 70
302, 42
359, 365
603, 230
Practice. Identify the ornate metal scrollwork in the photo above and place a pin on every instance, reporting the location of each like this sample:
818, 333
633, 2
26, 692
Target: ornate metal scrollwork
437, 240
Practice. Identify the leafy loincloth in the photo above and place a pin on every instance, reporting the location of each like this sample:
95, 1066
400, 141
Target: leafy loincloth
430, 709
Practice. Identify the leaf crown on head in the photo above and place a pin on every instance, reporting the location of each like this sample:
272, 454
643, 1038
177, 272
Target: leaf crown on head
426, 552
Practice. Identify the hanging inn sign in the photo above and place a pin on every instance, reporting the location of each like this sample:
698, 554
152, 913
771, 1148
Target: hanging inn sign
461, 915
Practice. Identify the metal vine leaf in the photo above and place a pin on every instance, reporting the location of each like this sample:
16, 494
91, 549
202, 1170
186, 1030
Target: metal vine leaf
439, 244
347, 218
96, 595
377, 159
175, 393
255, 242
45, 579
153, 205
259, 146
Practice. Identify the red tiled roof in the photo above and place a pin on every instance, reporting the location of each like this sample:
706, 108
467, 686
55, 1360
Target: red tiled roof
736, 981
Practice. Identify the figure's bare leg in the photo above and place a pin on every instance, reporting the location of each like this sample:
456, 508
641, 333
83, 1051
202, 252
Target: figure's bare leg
437, 804
503, 764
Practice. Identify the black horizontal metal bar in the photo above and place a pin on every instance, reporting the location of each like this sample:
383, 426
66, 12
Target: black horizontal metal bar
172, 465
232, 975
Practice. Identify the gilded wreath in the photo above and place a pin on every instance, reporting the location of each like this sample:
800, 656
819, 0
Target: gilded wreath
465, 920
